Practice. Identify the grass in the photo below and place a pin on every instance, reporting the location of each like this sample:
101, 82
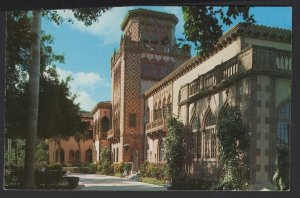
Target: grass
151, 180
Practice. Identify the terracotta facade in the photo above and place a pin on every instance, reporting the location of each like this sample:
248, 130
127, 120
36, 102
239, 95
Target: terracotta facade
71, 151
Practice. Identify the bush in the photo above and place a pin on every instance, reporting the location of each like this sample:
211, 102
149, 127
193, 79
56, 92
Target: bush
54, 167
118, 168
154, 170
127, 167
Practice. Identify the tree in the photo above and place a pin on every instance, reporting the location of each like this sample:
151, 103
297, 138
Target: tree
233, 140
87, 16
34, 81
175, 147
202, 23
281, 176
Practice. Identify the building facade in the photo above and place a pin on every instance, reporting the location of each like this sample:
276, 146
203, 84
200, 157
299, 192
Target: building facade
250, 67
147, 53
102, 122
152, 78
73, 150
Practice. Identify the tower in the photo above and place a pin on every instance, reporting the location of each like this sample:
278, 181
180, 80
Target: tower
147, 53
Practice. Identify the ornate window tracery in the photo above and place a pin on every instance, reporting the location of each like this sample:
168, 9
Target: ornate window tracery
210, 137
196, 138
283, 125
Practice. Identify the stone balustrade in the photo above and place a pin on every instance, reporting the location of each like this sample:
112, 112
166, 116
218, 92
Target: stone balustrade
156, 125
255, 58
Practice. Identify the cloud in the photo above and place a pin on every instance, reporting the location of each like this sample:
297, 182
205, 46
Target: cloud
108, 27
85, 85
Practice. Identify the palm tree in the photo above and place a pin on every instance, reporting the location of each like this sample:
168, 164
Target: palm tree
34, 81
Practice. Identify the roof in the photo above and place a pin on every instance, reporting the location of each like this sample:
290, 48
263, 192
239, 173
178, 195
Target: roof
145, 12
103, 104
228, 37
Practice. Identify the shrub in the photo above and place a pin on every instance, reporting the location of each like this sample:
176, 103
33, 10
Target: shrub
154, 170
234, 139
54, 167
281, 176
118, 168
127, 167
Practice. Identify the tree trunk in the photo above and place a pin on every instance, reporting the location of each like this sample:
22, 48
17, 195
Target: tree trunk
34, 81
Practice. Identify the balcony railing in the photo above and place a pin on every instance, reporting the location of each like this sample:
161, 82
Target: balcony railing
113, 134
155, 47
156, 125
255, 57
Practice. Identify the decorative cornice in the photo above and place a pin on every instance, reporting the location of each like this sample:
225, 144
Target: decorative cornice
151, 13
230, 36
104, 104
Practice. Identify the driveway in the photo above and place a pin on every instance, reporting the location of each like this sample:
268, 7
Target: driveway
111, 183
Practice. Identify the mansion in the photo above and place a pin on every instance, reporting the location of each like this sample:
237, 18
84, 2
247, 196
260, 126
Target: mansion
153, 78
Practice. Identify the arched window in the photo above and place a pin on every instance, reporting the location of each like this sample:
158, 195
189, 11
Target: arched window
169, 67
210, 137
114, 155
165, 108
104, 126
56, 155
145, 68
161, 73
117, 156
159, 110
71, 156
170, 105
147, 115
77, 156
88, 155
62, 156
153, 70
161, 151
283, 125
196, 138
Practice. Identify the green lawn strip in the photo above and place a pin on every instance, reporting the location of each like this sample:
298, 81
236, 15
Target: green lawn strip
151, 180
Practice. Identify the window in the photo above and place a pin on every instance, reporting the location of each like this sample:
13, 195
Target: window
283, 124
77, 156
132, 120
104, 124
161, 151
71, 156
117, 156
88, 155
196, 139
210, 137
147, 115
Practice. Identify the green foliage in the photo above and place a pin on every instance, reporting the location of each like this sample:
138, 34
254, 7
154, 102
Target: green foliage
281, 176
175, 146
155, 170
16, 156
234, 139
105, 163
151, 180
58, 115
127, 167
118, 168
203, 24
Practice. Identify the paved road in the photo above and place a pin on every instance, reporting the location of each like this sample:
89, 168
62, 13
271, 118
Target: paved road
110, 183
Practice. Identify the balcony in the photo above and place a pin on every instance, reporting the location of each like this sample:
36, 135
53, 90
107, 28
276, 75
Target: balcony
113, 135
254, 59
157, 125
184, 51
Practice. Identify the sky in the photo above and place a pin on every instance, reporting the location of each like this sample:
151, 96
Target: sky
88, 50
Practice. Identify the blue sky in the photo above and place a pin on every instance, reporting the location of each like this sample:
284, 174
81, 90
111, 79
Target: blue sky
88, 50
